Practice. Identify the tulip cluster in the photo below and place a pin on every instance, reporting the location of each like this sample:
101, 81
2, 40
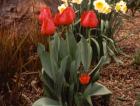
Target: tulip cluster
65, 16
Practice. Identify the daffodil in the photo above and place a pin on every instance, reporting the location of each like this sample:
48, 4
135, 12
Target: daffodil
121, 6
62, 7
117, 7
106, 9
102, 7
124, 9
77, 1
99, 5
65, 1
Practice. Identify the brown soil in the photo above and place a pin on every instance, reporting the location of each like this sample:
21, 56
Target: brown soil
124, 80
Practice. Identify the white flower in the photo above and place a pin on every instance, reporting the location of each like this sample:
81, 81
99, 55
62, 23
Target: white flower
77, 1
65, 1
62, 7
121, 6
99, 5
106, 9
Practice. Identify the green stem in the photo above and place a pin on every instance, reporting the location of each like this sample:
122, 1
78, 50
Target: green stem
89, 36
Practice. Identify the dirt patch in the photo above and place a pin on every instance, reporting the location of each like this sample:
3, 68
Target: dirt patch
124, 81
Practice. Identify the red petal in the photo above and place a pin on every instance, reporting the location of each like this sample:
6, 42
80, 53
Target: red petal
66, 17
48, 27
44, 14
89, 19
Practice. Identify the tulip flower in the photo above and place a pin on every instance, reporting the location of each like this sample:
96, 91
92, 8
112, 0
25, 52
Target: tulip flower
44, 14
65, 18
89, 19
84, 78
48, 27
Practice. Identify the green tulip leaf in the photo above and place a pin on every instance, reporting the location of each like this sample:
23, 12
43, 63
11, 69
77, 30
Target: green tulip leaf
45, 60
71, 44
44, 101
86, 53
96, 89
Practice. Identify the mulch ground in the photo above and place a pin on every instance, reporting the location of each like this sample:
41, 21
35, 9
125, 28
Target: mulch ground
124, 80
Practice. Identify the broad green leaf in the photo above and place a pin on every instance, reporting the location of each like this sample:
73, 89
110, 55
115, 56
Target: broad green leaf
54, 47
105, 47
48, 84
63, 64
45, 60
97, 45
137, 103
96, 76
71, 44
78, 56
60, 75
112, 43
96, 89
99, 65
105, 51
73, 72
44, 101
89, 100
63, 49
71, 94
114, 56
86, 53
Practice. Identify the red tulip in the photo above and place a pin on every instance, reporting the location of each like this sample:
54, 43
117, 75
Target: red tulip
84, 78
48, 27
89, 19
45, 13
56, 19
66, 17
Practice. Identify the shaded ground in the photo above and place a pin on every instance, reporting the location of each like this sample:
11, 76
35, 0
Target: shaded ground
124, 81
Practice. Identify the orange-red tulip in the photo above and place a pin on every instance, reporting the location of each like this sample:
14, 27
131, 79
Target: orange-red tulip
84, 78
45, 13
89, 19
65, 18
48, 27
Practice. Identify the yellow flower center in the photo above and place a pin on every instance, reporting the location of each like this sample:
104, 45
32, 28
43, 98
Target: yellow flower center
117, 7
99, 5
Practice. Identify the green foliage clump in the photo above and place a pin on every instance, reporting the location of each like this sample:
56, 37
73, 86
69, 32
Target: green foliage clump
137, 57
138, 99
62, 66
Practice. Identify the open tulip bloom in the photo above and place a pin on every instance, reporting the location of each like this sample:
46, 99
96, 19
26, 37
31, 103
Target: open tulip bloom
81, 33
